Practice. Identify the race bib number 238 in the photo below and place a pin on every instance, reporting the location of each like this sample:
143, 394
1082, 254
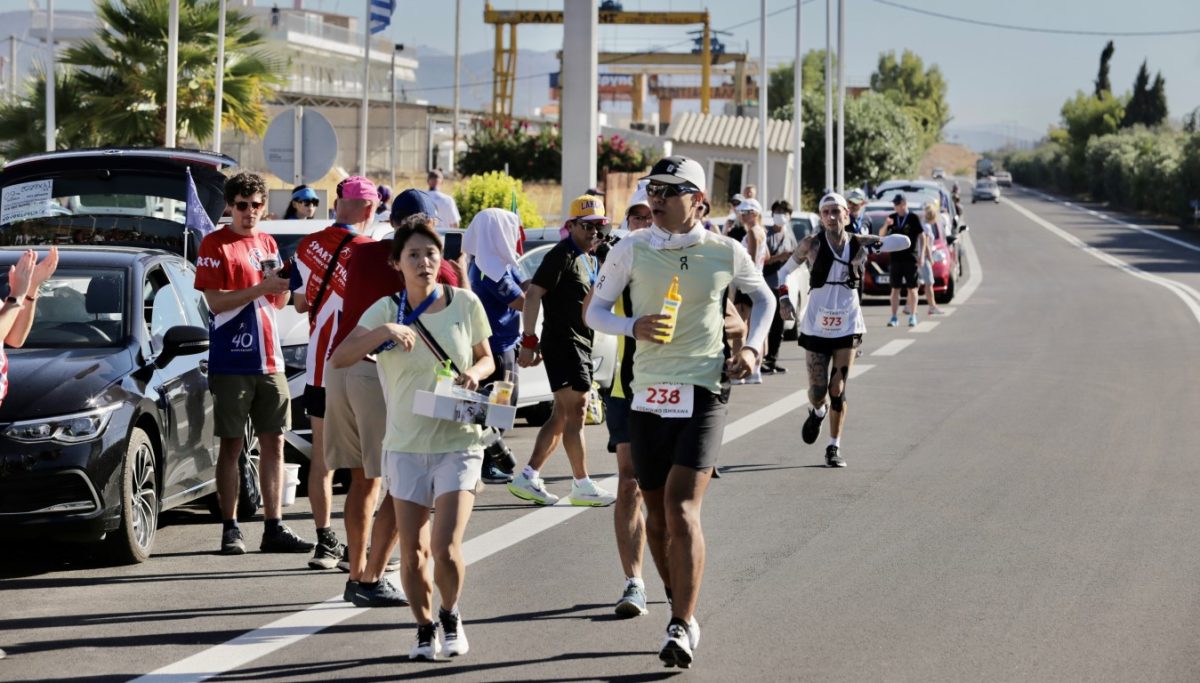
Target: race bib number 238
666, 400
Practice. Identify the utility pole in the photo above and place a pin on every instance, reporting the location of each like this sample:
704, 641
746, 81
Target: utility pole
219, 94
392, 139
12, 68
797, 117
841, 72
763, 78
362, 116
172, 71
829, 94
457, 67
51, 80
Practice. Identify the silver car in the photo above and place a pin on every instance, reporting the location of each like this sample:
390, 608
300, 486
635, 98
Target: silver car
986, 189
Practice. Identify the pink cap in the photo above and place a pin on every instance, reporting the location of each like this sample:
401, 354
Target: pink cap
357, 187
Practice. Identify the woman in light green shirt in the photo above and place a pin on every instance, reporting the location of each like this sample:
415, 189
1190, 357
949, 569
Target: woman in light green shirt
426, 461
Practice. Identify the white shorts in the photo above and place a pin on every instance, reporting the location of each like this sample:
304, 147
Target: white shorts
422, 478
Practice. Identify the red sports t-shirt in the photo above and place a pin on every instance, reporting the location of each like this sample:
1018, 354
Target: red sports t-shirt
370, 278
313, 255
245, 340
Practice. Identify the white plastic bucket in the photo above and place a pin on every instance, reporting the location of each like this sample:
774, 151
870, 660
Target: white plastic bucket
291, 480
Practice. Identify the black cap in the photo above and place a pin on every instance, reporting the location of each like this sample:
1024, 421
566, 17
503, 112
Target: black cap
897, 198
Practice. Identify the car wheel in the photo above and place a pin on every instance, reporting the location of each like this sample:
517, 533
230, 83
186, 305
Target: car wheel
947, 295
538, 414
133, 540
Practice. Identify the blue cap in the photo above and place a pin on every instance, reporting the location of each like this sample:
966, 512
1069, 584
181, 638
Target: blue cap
305, 193
411, 202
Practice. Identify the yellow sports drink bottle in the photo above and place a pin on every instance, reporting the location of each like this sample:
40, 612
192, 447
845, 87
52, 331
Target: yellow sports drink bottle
670, 308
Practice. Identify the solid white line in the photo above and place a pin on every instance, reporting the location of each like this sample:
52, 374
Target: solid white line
1188, 295
927, 326
975, 268
859, 369
293, 628
1110, 219
893, 347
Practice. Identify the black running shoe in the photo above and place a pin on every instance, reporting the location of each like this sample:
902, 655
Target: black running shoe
501, 456
832, 459
492, 474
284, 540
232, 542
327, 554
812, 427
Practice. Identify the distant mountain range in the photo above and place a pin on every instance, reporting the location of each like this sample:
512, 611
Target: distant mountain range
986, 138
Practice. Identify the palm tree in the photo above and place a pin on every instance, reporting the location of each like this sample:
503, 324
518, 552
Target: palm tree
121, 77
23, 123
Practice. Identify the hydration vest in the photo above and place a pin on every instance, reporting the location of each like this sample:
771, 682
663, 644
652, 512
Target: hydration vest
825, 257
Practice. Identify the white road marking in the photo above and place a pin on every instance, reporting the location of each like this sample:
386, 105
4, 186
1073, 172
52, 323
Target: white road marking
927, 326
893, 347
1110, 219
976, 269
859, 369
1189, 296
293, 628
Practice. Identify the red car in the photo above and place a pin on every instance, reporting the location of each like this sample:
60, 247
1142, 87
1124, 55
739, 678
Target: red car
947, 269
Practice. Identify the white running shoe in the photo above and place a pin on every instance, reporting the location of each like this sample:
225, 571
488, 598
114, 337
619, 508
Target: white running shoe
694, 632
755, 377
677, 649
531, 489
427, 646
453, 636
590, 495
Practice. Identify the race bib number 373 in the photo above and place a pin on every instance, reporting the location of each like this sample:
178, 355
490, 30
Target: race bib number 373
666, 400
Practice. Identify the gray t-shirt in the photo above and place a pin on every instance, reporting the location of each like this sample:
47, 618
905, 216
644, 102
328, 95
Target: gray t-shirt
778, 242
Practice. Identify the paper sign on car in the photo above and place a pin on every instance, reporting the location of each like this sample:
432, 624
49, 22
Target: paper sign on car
25, 200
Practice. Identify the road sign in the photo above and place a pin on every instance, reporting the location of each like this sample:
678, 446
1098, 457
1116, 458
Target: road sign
300, 145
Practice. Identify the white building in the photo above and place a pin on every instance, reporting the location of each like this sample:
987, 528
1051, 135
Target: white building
727, 148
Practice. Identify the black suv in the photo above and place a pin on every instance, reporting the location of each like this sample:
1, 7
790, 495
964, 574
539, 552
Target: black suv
108, 420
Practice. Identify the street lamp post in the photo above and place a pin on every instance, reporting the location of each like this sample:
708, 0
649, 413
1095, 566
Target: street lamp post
51, 80
457, 68
797, 117
172, 71
829, 95
763, 78
841, 84
219, 94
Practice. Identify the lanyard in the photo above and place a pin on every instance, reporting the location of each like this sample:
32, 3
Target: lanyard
402, 319
592, 271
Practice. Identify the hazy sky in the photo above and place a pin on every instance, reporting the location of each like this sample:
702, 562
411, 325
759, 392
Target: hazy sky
995, 76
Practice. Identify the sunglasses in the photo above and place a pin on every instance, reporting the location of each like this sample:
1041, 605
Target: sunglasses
242, 206
593, 227
665, 191
309, 202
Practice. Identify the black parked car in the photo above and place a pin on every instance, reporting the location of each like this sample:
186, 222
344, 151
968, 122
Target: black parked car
108, 420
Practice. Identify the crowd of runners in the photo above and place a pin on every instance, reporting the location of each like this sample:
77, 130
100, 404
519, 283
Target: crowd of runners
694, 310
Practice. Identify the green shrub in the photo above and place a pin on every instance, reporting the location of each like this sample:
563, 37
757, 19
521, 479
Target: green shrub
494, 190
526, 155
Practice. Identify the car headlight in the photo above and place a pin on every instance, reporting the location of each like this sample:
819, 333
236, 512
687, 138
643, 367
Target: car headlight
939, 255
295, 358
69, 429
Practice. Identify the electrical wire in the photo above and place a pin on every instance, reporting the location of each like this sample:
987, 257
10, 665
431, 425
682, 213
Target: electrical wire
1038, 29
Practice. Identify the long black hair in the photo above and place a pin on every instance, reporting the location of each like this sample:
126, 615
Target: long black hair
291, 210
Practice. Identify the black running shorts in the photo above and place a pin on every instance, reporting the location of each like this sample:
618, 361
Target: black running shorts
568, 365
660, 443
827, 345
903, 274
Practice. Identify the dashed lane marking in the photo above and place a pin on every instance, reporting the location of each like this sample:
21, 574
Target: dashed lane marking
893, 347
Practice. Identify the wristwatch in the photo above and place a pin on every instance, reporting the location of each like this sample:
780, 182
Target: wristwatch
13, 301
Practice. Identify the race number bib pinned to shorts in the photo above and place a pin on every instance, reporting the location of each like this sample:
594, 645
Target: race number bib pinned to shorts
666, 400
835, 322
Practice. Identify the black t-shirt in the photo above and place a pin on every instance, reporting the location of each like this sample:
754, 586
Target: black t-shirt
910, 226
567, 275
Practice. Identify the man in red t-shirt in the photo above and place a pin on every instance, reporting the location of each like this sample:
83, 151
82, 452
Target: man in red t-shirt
237, 270
318, 284
355, 416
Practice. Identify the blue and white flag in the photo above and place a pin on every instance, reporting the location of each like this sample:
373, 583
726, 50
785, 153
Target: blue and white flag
381, 14
195, 217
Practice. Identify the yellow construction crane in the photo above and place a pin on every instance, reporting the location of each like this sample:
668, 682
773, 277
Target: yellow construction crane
504, 65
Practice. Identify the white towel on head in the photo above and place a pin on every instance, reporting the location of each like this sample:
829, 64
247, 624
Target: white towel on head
492, 240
